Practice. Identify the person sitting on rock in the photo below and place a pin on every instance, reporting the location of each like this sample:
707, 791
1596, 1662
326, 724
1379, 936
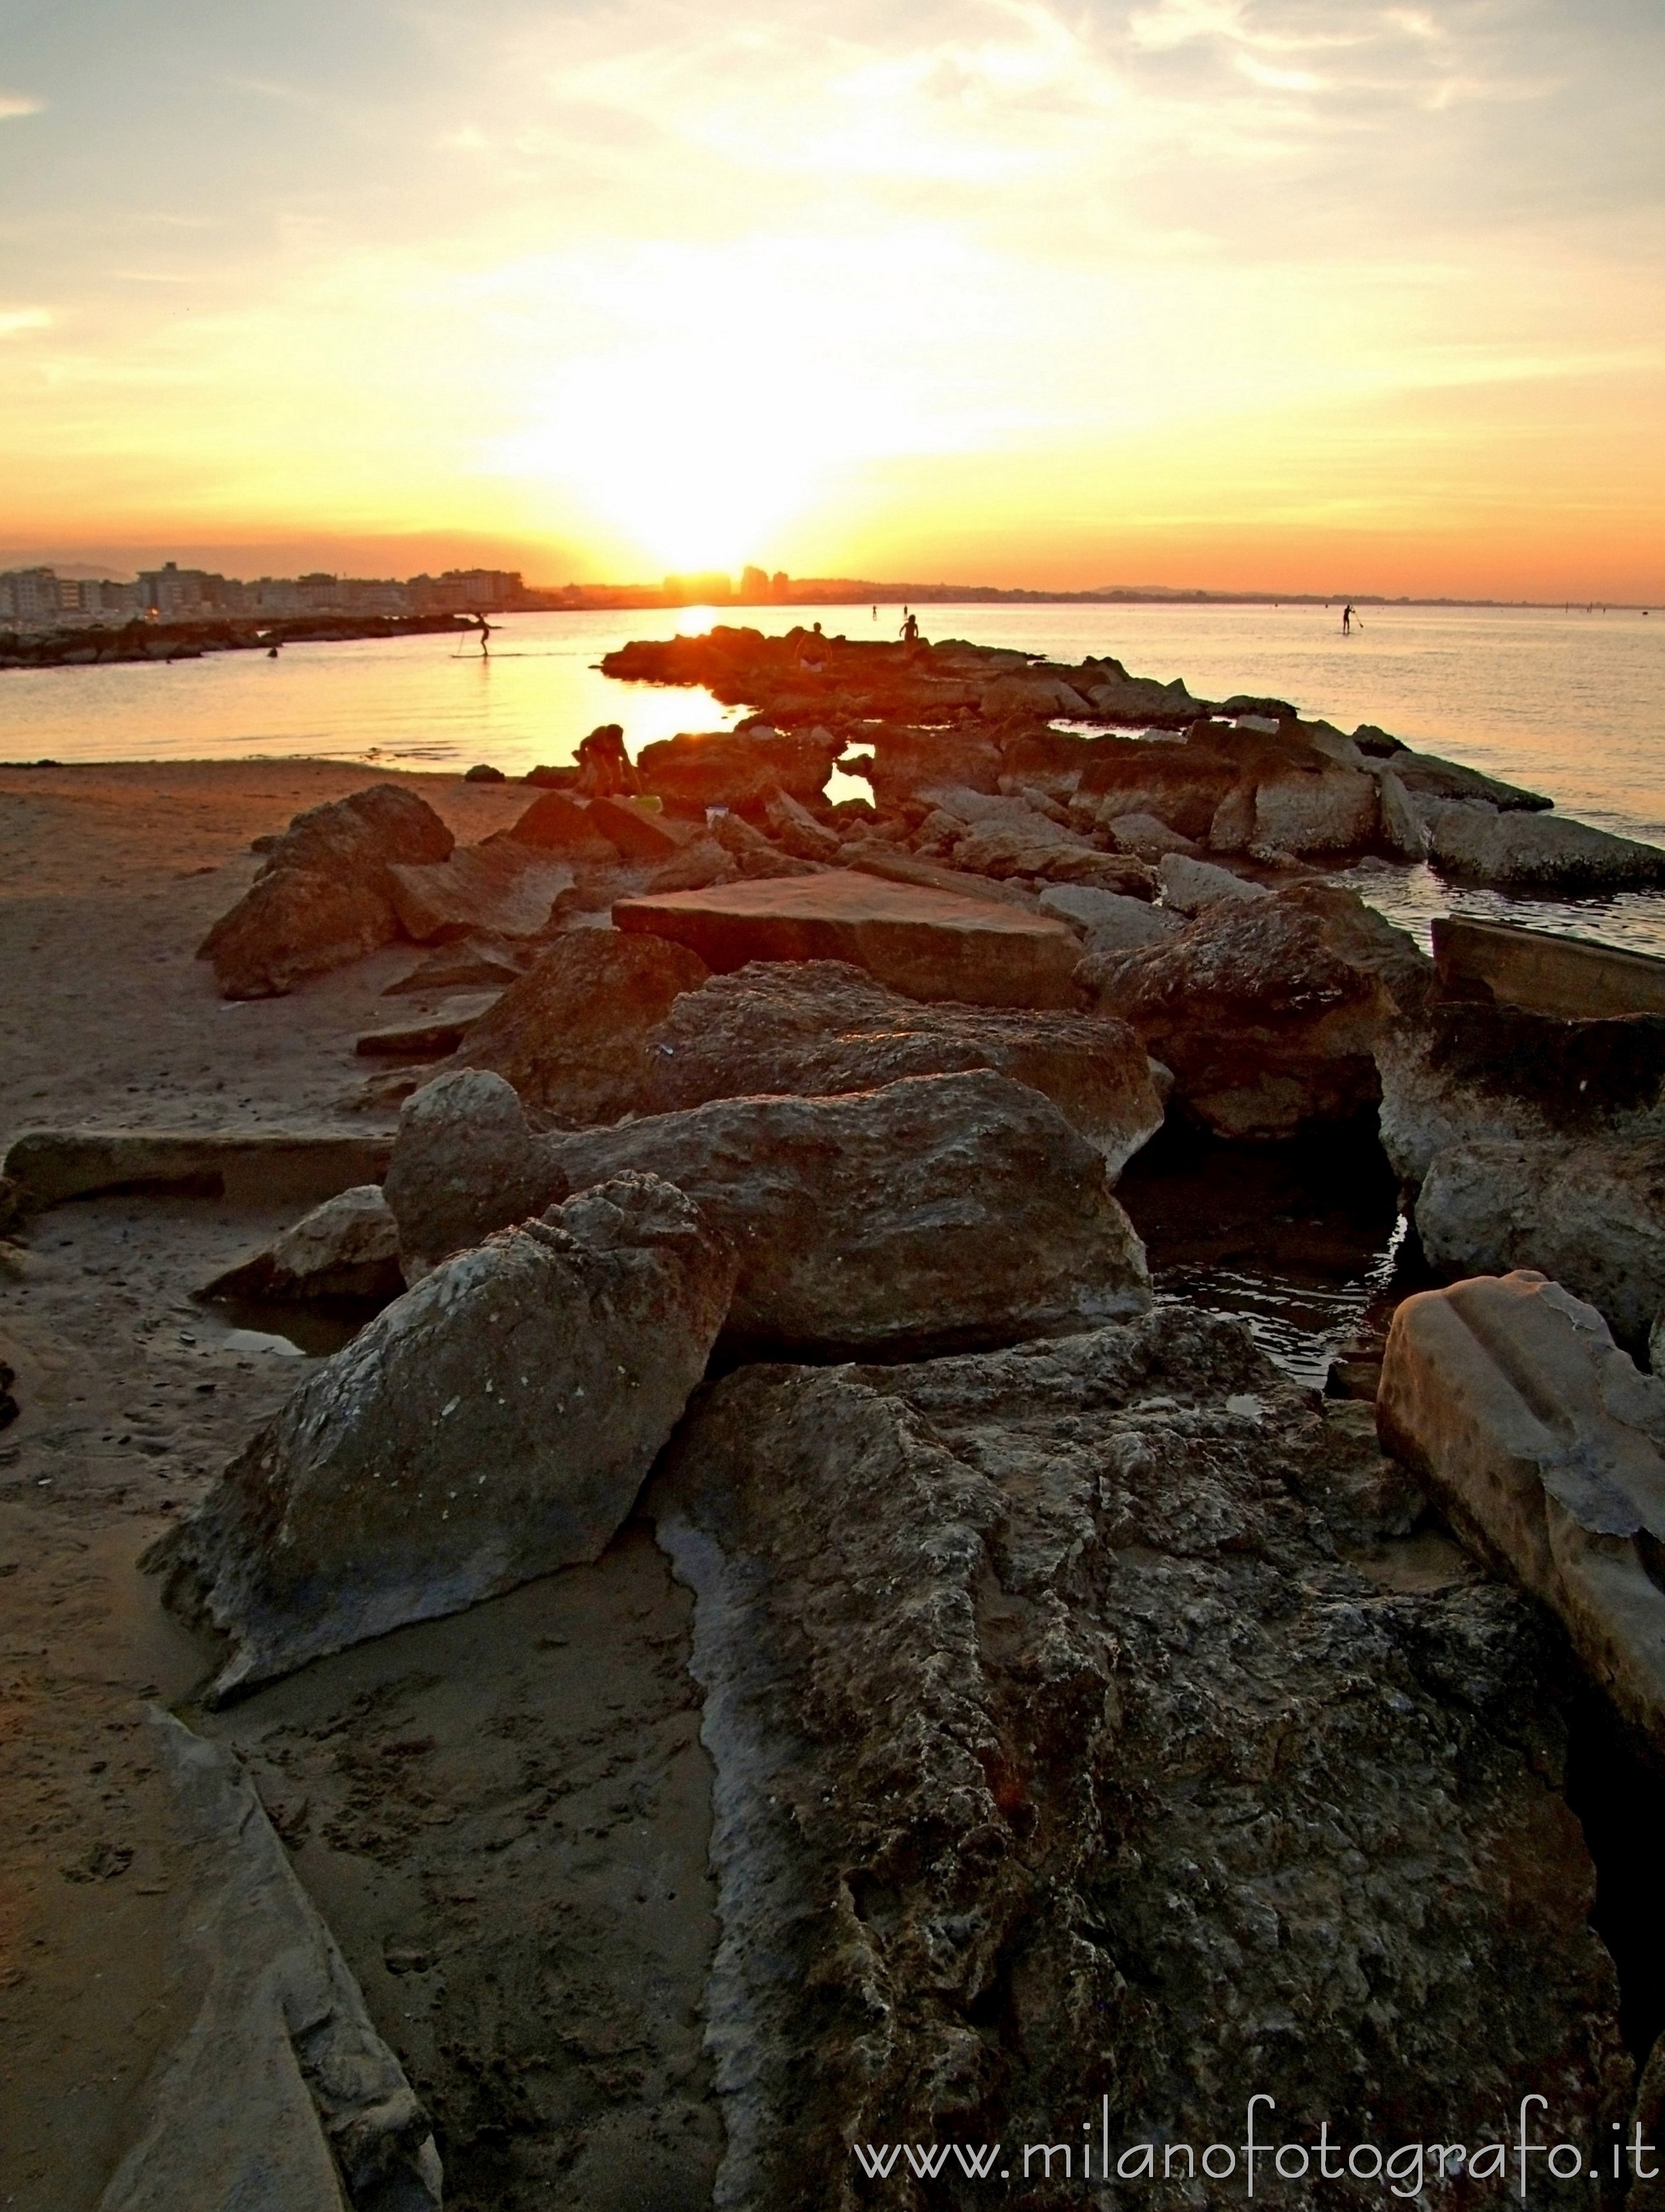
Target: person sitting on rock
909, 627
605, 769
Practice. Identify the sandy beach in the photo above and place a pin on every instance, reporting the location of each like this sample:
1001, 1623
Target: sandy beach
131, 1400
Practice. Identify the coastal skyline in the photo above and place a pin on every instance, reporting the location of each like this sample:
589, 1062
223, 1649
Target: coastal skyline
1238, 297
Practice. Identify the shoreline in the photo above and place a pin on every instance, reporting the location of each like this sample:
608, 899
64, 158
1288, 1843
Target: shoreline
91, 645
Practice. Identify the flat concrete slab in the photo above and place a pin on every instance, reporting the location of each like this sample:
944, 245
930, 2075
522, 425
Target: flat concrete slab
924, 944
1546, 973
257, 1166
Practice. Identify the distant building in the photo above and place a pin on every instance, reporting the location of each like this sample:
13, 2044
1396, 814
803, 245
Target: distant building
170, 592
758, 588
39, 599
467, 592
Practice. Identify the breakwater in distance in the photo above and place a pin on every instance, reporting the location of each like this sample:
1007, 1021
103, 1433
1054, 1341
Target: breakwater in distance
1572, 704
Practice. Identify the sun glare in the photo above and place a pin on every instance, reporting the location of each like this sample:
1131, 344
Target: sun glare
738, 397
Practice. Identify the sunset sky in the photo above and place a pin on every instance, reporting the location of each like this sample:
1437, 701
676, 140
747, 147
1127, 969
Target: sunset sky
1232, 292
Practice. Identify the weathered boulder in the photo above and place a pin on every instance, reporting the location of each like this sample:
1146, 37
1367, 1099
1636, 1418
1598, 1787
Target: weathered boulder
504, 887
940, 1211
1592, 1216
1145, 836
927, 945
560, 824
704, 861
493, 1424
1268, 1009
1060, 1756
279, 2091
347, 1247
571, 1033
873, 856
1188, 885
1458, 1072
1110, 921
640, 832
1515, 850
1317, 807
324, 896
1541, 1442
741, 768
466, 1161
821, 1027
752, 853
1182, 783
798, 832
1425, 777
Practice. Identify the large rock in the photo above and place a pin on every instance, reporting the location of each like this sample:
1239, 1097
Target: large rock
873, 856
493, 1424
999, 849
1267, 1009
571, 1034
1515, 850
1592, 1216
466, 1161
1061, 1756
324, 896
503, 887
938, 1211
1541, 1440
347, 1247
822, 1027
1188, 885
1109, 920
1465, 1071
741, 768
280, 2090
1317, 807
563, 825
924, 944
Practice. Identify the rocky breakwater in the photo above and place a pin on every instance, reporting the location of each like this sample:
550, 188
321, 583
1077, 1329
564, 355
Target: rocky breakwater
358, 873
1244, 775
326, 893
1072, 1786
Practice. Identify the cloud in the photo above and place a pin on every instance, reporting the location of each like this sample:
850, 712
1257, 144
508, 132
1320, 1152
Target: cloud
19, 103
13, 320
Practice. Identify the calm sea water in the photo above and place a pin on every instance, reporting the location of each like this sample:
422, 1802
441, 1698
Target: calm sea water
1572, 704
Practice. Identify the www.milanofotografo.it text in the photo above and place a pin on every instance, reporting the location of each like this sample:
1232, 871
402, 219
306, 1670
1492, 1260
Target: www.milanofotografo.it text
1515, 2160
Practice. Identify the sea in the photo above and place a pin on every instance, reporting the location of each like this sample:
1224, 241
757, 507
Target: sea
1568, 702
1308, 1247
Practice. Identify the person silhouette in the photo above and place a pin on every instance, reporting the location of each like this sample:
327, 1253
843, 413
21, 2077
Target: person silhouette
1346, 620
605, 769
909, 626
485, 632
